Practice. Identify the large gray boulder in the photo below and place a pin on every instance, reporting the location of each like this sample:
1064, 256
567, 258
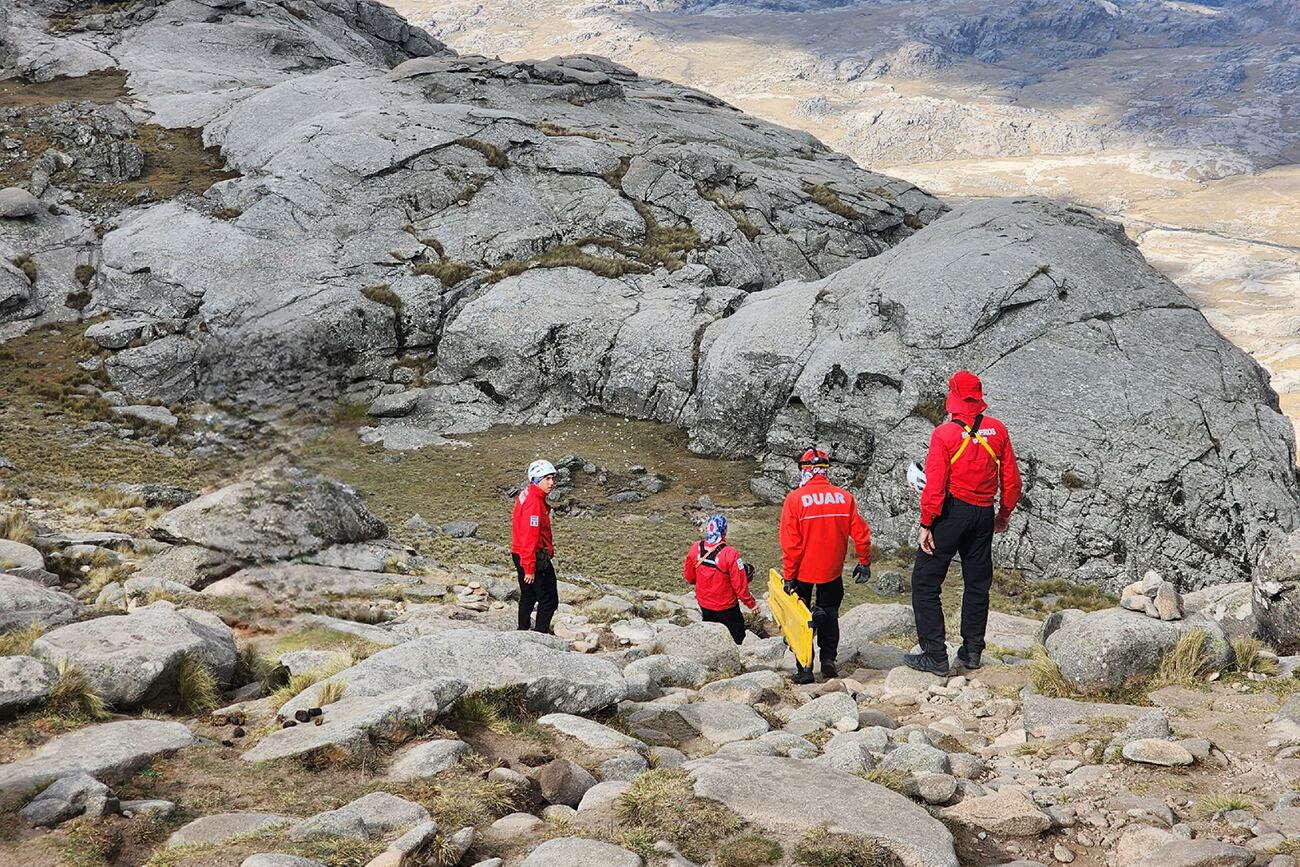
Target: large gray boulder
221, 827
762, 789
109, 752
281, 512
134, 660
552, 681
304, 582
1102, 651
578, 852
24, 602
1276, 597
24, 681
16, 555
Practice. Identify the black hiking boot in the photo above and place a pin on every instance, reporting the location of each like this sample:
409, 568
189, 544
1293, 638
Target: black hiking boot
802, 675
970, 660
924, 662
829, 671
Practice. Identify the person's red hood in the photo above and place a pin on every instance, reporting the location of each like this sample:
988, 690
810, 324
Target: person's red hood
965, 395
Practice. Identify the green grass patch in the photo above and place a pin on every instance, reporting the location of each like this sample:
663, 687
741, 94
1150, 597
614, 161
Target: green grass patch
324, 638
820, 848
1208, 805
661, 805
749, 850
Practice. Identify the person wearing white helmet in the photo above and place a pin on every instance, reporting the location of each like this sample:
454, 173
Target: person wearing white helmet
531, 548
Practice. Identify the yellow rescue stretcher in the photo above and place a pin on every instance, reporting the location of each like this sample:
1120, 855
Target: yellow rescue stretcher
794, 618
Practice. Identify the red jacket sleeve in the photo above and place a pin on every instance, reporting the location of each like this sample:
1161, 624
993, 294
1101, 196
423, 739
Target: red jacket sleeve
1011, 484
530, 531
688, 566
936, 478
740, 581
860, 532
791, 540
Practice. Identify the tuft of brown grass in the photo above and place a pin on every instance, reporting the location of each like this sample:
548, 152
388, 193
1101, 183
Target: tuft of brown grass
84, 273
1213, 803
1247, 657
329, 692
25, 263
891, 780
1187, 664
448, 272
299, 682
19, 642
1046, 677
831, 201
462, 796
73, 697
495, 157
662, 805
14, 527
749, 850
197, 686
820, 848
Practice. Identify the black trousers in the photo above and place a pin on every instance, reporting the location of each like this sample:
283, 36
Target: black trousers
542, 594
966, 530
730, 618
829, 597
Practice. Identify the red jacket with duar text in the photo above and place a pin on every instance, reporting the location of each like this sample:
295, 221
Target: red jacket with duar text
817, 521
719, 587
531, 527
973, 478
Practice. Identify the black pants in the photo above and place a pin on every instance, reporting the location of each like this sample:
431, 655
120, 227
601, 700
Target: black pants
965, 530
542, 594
730, 618
829, 597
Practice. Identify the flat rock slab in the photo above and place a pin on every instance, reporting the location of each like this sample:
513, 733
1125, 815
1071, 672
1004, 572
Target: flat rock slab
1154, 751
24, 602
366, 818
1004, 813
133, 659
24, 681
722, 722
552, 680
577, 852
223, 826
427, 760
109, 752
709, 644
347, 724
16, 555
1040, 711
1198, 853
762, 789
294, 581
280, 513
275, 859
591, 733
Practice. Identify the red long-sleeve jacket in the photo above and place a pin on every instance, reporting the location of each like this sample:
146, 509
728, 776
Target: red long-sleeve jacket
531, 527
817, 521
975, 476
717, 588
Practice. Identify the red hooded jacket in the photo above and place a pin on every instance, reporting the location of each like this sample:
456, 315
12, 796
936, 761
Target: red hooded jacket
816, 522
717, 588
974, 477
531, 527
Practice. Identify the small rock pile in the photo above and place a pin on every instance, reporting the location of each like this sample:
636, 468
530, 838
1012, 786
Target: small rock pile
1153, 596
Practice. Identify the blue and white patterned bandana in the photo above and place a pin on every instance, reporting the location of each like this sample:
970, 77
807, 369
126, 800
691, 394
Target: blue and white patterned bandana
715, 529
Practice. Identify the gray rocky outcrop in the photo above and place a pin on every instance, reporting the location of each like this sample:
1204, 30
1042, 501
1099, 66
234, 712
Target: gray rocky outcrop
109, 752
24, 681
579, 852
279, 513
761, 789
24, 602
1103, 651
134, 660
221, 827
366, 818
67, 798
1276, 597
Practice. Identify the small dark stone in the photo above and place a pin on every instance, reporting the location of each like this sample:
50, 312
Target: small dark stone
314, 711
238, 733
288, 724
302, 716
227, 743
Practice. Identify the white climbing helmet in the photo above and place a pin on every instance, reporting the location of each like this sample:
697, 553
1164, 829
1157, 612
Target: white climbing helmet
916, 477
539, 470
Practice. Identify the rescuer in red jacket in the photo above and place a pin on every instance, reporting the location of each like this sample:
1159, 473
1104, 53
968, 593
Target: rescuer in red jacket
817, 521
720, 578
970, 457
532, 548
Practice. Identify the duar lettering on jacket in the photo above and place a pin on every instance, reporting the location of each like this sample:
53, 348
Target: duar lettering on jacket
822, 499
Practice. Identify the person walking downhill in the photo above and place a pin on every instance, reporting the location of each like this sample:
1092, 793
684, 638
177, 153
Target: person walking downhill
817, 521
970, 456
720, 578
531, 548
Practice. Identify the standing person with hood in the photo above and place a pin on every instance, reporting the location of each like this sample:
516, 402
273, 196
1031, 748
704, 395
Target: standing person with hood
531, 548
720, 578
970, 456
817, 521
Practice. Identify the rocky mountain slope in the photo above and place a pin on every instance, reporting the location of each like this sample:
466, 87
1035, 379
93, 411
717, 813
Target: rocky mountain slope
469, 241
1180, 119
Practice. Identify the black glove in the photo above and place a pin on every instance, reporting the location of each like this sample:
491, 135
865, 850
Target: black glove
543, 559
861, 573
789, 586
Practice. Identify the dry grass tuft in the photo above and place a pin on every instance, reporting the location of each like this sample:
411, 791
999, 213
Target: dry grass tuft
891, 780
73, 697
329, 692
820, 848
25, 263
749, 850
1187, 665
299, 682
462, 796
830, 200
1046, 677
19, 642
495, 157
1208, 805
448, 272
1247, 657
197, 685
661, 805
14, 527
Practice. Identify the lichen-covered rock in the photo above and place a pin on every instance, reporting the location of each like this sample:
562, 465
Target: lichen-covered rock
1276, 597
109, 752
134, 660
24, 602
24, 681
280, 513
